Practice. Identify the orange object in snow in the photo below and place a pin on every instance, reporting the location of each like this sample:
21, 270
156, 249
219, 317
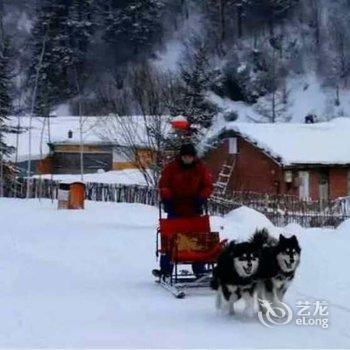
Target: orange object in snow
76, 195
180, 123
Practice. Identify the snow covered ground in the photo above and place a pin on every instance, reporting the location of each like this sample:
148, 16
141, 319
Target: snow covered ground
82, 279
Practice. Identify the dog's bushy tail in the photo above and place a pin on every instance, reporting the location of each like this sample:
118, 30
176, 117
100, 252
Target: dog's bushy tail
262, 238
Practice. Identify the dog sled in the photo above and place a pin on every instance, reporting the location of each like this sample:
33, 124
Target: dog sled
187, 241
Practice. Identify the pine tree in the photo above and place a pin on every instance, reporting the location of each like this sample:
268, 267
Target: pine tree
134, 24
220, 13
196, 79
272, 10
273, 106
49, 55
60, 39
174, 13
80, 28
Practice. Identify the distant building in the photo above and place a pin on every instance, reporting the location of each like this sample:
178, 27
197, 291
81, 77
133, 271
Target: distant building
64, 157
311, 161
55, 145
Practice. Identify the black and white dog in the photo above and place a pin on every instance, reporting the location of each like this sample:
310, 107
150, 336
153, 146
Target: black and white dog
261, 268
279, 260
234, 277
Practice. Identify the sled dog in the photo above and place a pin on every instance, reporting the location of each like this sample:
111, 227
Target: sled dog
261, 268
279, 260
234, 277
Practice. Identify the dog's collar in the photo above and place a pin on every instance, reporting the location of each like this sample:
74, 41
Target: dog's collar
245, 280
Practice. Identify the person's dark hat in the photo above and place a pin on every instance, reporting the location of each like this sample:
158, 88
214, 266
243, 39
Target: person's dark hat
187, 149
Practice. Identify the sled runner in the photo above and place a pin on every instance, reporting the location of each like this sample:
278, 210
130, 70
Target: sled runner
186, 241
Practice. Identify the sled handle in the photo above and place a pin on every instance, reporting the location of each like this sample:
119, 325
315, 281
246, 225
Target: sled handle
205, 207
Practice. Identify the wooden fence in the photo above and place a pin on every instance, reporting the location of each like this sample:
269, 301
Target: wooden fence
285, 209
94, 191
280, 209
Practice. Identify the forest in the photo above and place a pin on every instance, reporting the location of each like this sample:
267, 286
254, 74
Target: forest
196, 58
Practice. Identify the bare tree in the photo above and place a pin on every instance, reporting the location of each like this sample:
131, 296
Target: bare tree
139, 140
81, 123
315, 20
142, 139
273, 108
340, 64
34, 95
337, 52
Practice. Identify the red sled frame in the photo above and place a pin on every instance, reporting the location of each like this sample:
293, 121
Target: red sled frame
186, 241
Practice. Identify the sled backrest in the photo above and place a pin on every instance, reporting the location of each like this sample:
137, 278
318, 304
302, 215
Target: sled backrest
184, 225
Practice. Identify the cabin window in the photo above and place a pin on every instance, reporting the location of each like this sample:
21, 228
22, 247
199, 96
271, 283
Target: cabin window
232, 145
288, 176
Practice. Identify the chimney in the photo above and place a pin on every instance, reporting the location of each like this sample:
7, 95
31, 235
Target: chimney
70, 134
310, 119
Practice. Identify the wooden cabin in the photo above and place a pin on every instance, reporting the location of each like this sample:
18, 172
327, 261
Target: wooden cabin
64, 157
311, 161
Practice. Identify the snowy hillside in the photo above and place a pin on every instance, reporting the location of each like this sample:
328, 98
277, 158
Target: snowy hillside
307, 96
82, 279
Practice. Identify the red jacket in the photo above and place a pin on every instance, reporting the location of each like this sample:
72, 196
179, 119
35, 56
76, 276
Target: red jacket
182, 186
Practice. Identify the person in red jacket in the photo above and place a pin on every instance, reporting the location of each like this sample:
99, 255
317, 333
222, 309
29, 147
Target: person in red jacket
184, 186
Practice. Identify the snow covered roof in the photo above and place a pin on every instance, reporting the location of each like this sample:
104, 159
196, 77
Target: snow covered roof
42, 134
96, 130
295, 143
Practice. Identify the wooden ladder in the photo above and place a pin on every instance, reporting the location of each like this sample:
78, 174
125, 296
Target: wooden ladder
221, 184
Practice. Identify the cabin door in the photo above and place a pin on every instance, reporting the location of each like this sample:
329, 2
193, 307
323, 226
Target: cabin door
323, 188
304, 188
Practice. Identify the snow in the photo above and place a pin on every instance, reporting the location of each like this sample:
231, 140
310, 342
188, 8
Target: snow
135, 130
240, 223
179, 118
82, 279
96, 130
244, 111
62, 110
24, 22
125, 177
308, 95
295, 143
241, 68
168, 59
59, 127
